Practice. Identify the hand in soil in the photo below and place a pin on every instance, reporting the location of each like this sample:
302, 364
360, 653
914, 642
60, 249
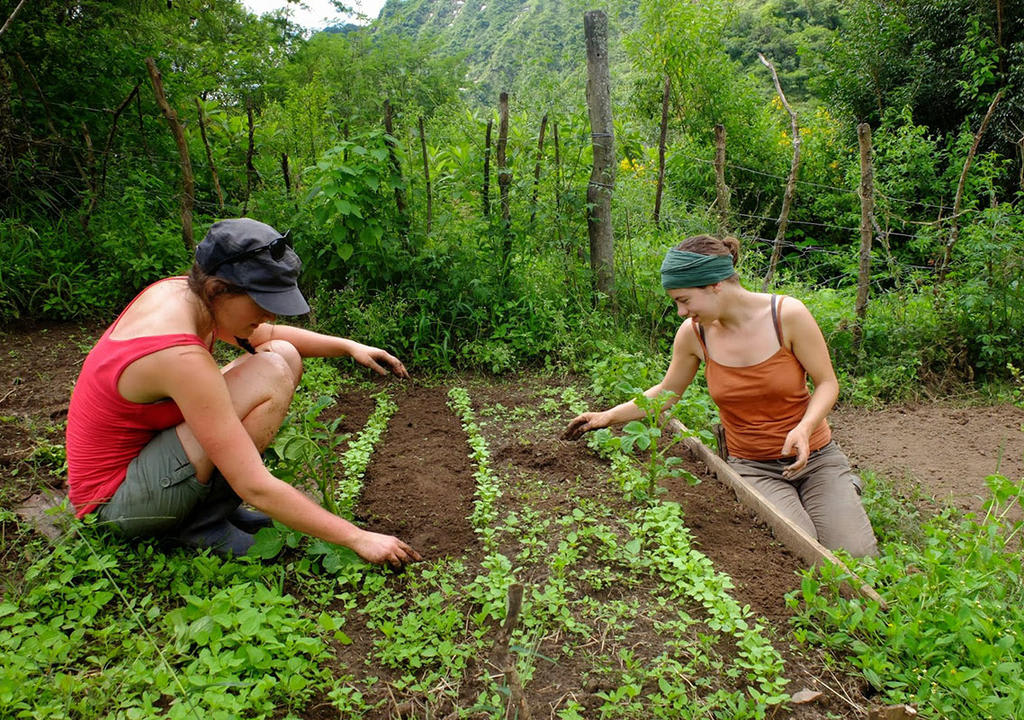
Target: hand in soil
582, 424
380, 361
380, 549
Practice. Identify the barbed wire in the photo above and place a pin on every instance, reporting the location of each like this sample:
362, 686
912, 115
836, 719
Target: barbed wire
462, 163
941, 208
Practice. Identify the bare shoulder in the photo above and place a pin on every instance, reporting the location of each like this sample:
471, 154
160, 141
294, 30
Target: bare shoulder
168, 373
686, 340
163, 308
798, 324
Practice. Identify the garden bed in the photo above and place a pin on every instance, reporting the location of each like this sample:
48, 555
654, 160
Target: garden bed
482, 485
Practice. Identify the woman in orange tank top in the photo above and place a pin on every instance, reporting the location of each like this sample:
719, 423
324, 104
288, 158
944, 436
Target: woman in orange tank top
757, 359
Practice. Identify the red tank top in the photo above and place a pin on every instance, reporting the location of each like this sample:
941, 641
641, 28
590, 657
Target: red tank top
105, 432
759, 404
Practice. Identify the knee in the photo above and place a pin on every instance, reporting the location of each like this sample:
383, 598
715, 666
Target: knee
283, 355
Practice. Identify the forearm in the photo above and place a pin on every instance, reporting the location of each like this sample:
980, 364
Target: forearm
291, 507
822, 401
307, 342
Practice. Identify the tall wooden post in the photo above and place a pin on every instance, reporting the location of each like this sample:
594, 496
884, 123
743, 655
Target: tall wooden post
721, 189
209, 156
393, 157
426, 175
787, 197
867, 210
954, 232
504, 181
252, 175
487, 169
536, 167
602, 177
661, 149
188, 194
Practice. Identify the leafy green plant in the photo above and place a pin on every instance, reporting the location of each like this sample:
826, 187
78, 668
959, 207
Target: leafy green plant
306, 449
487, 488
645, 435
357, 456
950, 640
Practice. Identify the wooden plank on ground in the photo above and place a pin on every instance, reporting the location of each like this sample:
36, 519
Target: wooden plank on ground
785, 530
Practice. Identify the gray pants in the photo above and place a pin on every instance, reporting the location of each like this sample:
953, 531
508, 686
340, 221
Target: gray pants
823, 498
160, 495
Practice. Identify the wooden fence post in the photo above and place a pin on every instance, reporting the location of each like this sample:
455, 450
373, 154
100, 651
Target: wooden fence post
487, 169
787, 198
426, 175
954, 232
504, 181
393, 156
187, 182
286, 173
721, 189
867, 211
252, 176
536, 167
602, 177
209, 155
665, 94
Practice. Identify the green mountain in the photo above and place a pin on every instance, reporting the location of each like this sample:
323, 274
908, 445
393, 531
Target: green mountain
528, 48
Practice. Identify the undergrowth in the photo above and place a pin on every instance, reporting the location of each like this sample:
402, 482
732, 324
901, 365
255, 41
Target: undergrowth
952, 639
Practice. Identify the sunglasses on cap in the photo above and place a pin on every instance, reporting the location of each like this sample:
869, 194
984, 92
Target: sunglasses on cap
275, 247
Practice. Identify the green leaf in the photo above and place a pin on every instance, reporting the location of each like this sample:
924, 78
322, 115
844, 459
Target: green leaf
268, 543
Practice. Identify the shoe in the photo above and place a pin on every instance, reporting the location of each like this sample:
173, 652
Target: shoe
221, 537
250, 521
209, 524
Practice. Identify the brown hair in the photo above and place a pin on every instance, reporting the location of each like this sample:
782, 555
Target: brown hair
711, 245
206, 287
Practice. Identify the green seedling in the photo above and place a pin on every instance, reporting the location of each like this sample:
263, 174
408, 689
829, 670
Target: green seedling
646, 436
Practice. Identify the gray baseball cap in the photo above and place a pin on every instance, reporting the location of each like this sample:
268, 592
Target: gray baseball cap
256, 258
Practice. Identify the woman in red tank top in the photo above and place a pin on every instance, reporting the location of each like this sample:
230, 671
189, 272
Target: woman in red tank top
757, 359
163, 442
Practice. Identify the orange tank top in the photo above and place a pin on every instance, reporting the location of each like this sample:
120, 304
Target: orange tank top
759, 404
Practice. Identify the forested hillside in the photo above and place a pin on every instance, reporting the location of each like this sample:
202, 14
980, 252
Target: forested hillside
105, 186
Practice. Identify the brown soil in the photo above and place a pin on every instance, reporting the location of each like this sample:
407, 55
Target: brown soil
420, 487
940, 451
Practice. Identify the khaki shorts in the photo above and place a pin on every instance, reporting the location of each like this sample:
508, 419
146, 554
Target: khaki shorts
159, 491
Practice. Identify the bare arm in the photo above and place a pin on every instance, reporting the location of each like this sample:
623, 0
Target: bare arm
314, 344
809, 347
190, 376
686, 359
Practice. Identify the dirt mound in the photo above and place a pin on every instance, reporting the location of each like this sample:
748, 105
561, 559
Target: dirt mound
419, 485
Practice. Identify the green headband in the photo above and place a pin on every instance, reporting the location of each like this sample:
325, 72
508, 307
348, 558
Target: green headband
681, 269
